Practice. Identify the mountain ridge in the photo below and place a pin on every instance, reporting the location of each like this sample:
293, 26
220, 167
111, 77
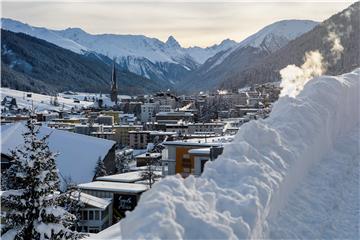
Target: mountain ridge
343, 25
249, 51
33, 64
139, 54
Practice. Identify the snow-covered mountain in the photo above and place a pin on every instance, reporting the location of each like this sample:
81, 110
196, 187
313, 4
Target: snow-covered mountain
274, 36
42, 33
343, 27
145, 56
243, 55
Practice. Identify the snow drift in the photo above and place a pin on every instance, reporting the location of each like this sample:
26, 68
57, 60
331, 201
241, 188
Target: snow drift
242, 190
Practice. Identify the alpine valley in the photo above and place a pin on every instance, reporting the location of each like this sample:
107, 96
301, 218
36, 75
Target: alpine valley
45, 60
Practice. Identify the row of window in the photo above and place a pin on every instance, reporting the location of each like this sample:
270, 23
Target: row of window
90, 215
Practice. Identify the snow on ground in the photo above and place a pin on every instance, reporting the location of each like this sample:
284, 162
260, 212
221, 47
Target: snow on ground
66, 100
257, 173
105, 97
41, 102
326, 204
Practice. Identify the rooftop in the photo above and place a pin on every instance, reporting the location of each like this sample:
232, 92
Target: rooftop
94, 201
129, 177
114, 187
149, 155
78, 153
174, 114
200, 151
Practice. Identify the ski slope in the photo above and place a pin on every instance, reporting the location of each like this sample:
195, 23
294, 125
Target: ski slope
253, 182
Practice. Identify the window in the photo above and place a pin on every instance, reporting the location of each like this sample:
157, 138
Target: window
93, 230
85, 215
91, 215
85, 229
97, 215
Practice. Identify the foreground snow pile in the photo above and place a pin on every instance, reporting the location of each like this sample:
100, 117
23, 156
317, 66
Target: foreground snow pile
251, 182
333, 214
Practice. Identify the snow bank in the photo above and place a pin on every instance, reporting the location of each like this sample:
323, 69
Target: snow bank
244, 189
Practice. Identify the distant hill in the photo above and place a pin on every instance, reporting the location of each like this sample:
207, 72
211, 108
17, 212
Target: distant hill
33, 64
346, 25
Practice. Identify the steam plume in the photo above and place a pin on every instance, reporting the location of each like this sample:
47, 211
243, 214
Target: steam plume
294, 78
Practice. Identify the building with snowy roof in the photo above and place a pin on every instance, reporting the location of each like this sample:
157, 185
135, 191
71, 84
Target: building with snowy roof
78, 154
180, 157
95, 214
124, 195
128, 177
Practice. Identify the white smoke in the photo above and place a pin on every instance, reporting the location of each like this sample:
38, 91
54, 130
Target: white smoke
294, 78
336, 47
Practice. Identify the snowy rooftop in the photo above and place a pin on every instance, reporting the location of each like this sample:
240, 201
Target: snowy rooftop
149, 155
129, 177
94, 201
114, 187
174, 114
78, 153
210, 141
200, 151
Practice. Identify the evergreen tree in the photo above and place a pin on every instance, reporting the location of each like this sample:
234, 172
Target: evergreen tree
32, 200
100, 169
122, 161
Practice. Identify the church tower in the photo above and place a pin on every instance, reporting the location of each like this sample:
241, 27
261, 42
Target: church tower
114, 91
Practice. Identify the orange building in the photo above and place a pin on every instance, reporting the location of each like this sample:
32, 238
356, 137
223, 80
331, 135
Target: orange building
178, 159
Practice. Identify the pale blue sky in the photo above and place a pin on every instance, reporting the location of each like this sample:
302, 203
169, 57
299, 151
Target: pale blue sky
200, 23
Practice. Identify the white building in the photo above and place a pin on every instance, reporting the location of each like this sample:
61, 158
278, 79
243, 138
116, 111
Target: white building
165, 108
148, 110
95, 215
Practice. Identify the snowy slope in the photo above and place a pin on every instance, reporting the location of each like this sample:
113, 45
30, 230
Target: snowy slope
42, 33
233, 60
257, 173
272, 37
42, 102
202, 54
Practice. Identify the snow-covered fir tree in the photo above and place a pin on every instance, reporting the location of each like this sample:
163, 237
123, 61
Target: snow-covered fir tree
123, 160
100, 169
31, 183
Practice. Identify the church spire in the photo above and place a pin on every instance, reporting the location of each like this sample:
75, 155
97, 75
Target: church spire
113, 84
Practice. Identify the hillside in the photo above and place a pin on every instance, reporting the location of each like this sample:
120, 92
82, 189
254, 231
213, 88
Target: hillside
33, 64
247, 53
341, 31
